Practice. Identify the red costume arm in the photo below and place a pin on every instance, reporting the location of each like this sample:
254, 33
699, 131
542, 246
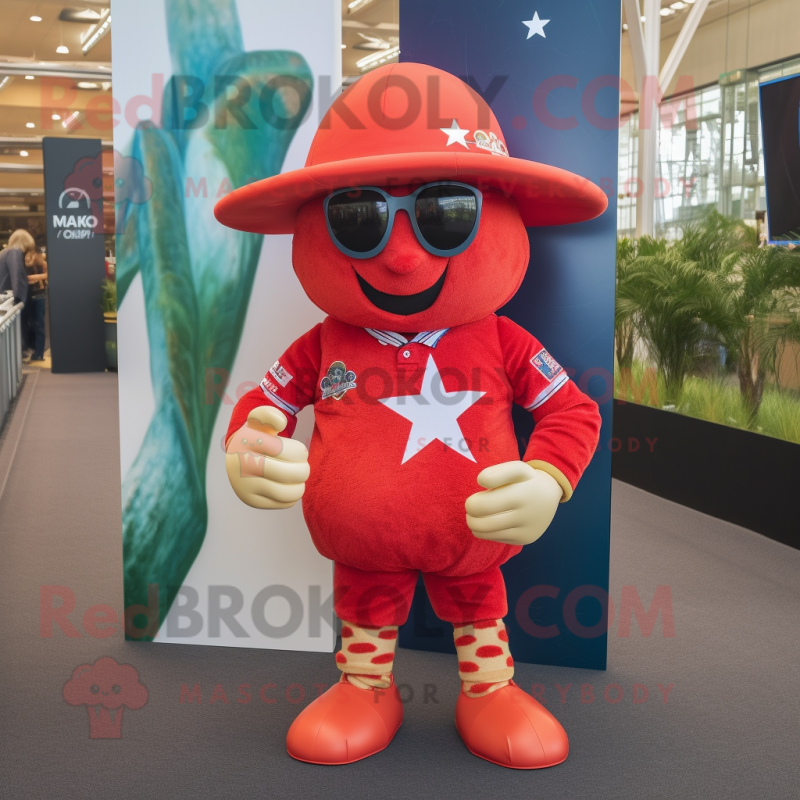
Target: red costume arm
567, 421
289, 384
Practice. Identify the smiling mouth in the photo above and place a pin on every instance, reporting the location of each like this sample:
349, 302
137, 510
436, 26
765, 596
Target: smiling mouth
403, 304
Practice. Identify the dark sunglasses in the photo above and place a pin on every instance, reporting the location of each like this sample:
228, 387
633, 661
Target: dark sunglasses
444, 216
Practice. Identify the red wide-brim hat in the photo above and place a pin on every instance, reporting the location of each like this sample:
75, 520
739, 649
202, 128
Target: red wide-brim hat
405, 124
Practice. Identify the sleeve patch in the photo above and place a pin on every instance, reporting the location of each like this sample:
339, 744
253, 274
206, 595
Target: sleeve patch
280, 374
546, 365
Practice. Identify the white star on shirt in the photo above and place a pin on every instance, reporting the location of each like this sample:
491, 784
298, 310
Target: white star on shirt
455, 134
434, 414
536, 25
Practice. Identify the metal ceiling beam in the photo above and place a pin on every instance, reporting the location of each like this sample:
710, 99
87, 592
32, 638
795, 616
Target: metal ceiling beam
646, 53
682, 43
22, 193
12, 167
21, 168
53, 69
648, 136
35, 142
636, 39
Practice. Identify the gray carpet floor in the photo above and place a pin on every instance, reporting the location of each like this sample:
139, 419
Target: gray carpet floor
730, 727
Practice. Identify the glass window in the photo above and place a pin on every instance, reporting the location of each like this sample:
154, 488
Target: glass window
709, 154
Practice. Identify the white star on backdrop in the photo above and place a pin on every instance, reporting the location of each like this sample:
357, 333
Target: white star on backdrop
434, 414
455, 134
536, 25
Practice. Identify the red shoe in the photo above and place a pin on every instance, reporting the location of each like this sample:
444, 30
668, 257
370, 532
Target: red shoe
508, 727
345, 724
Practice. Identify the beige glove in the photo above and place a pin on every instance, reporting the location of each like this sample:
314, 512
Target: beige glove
518, 505
266, 470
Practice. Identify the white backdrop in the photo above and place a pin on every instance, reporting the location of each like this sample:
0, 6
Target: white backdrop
244, 548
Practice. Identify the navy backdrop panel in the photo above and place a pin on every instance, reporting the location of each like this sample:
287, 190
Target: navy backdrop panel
557, 587
73, 188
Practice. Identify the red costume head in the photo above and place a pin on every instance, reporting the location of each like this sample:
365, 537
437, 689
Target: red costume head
397, 128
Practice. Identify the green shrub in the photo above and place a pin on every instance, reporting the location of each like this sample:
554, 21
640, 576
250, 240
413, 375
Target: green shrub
109, 298
716, 400
779, 415
684, 300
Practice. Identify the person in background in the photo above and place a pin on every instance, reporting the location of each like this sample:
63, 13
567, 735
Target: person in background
13, 276
36, 267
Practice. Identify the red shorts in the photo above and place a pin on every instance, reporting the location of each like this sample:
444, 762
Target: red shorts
384, 598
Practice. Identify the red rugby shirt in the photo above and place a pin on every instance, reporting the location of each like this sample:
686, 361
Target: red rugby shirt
402, 429
493, 355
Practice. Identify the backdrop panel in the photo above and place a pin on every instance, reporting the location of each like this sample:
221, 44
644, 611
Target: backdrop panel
211, 94
550, 71
73, 193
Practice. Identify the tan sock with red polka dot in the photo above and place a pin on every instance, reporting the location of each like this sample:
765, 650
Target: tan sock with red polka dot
367, 655
484, 660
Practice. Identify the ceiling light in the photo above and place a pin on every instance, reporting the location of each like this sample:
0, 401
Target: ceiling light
73, 121
88, 85
373, 42
355, 5
79, 15
372, 60
56, 116
29, 77
665, 12
63, 49
97, 31
642, 18
679, 6
624, 26
344, 46
23, 153
30, 124
36, 19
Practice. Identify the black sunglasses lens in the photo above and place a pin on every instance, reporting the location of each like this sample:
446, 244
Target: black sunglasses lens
358, 219
446, 215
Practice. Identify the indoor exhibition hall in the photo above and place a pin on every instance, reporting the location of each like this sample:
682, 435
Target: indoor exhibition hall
399, 399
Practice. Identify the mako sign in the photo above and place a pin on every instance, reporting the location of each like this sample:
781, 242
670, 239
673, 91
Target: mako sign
80, 223
73, 183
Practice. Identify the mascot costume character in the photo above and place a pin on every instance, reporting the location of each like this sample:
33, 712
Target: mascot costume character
409, 232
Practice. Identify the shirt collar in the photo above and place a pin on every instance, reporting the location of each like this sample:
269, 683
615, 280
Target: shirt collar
429, 338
